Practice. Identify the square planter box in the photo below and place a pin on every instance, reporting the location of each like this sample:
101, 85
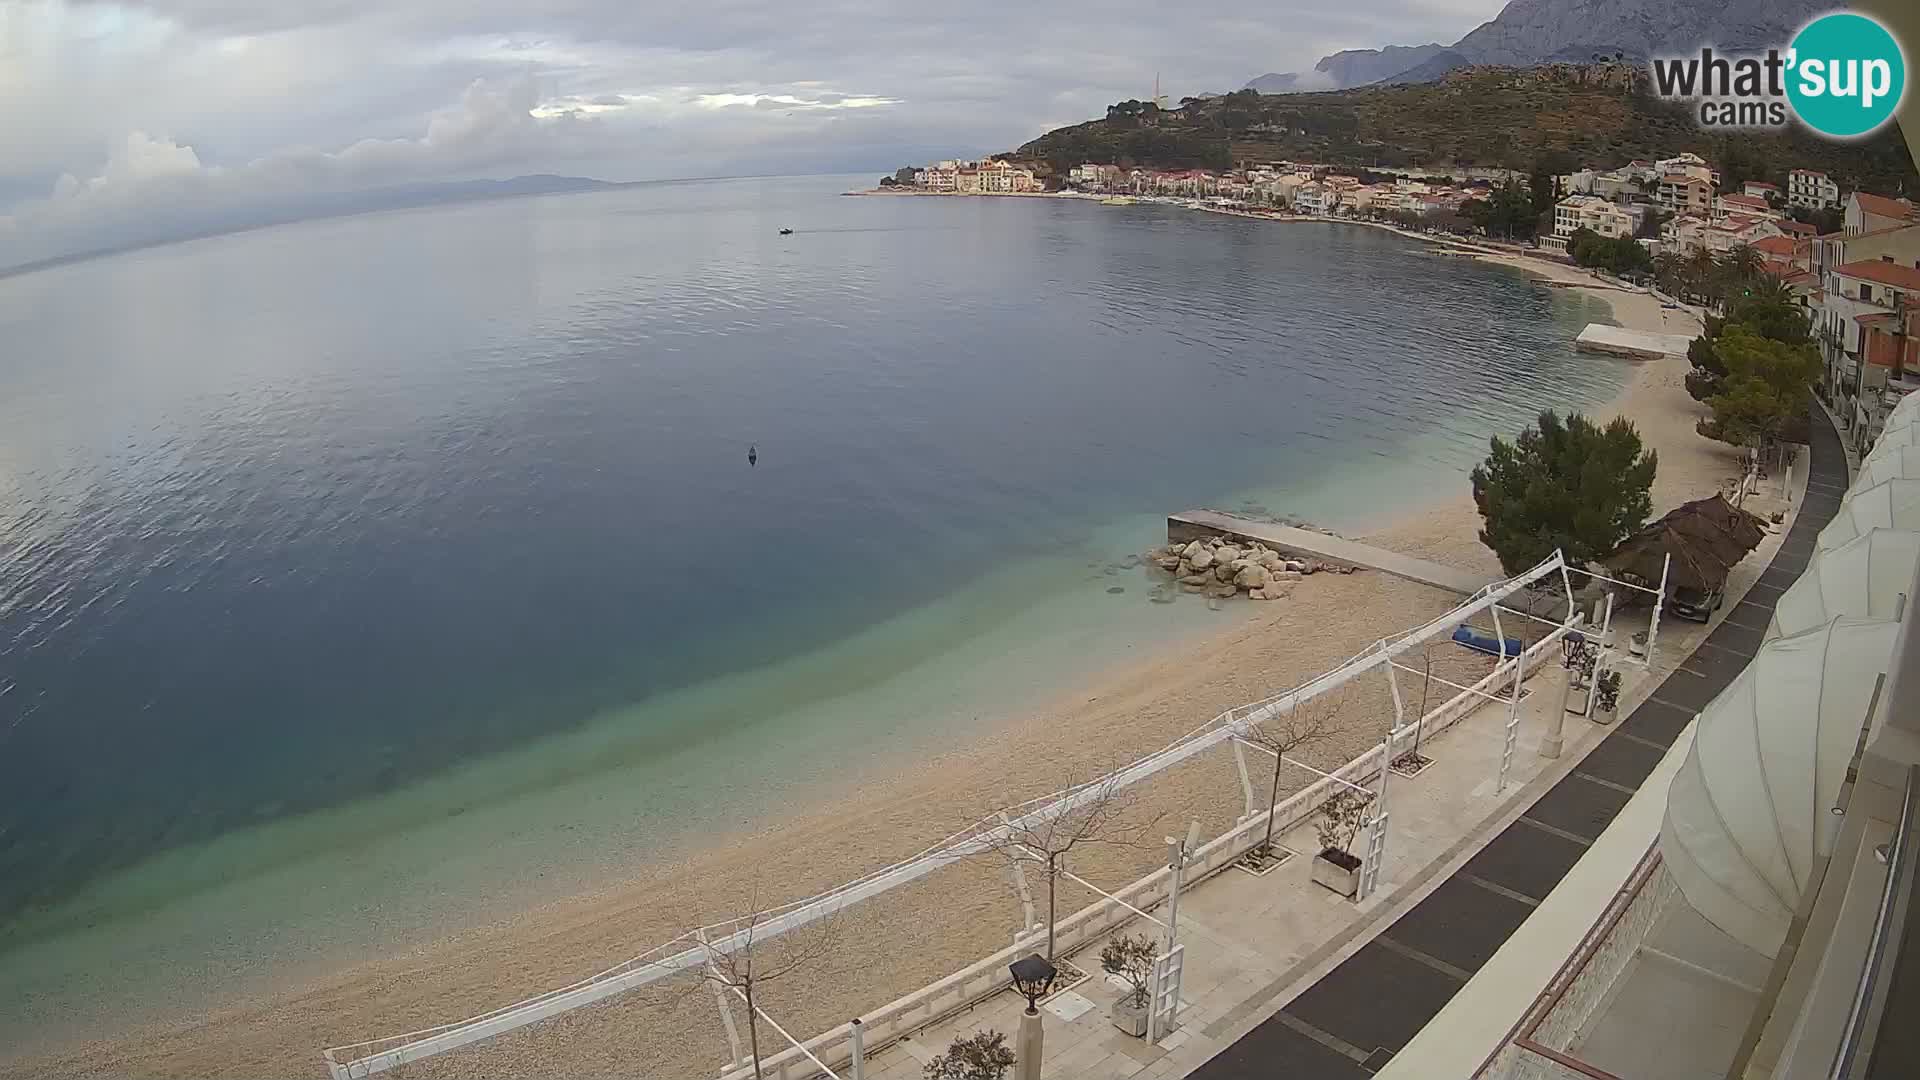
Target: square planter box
1338, 871
1131, 1019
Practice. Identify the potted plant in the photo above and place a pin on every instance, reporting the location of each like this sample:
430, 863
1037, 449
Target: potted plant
1606, 696
1638, 646
1131, 960
1584, 663
983, 1055
1339, 822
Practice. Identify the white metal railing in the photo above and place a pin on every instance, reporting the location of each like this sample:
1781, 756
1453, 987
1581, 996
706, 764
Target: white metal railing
1869, 999
692, 950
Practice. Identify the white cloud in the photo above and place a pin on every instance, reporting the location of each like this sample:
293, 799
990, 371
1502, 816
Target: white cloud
148, 179
115, 111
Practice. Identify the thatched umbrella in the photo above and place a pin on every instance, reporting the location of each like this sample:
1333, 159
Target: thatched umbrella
1706, 537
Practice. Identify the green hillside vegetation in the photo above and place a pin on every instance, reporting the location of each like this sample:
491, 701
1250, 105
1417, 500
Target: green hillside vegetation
1564, 115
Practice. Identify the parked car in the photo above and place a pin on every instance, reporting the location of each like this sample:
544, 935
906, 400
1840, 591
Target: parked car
1696, 604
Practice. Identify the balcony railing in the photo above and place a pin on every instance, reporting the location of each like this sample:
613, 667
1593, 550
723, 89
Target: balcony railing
1580, 986
1876, 975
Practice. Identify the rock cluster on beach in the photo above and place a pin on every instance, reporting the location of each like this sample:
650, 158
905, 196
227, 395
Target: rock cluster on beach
1222, 568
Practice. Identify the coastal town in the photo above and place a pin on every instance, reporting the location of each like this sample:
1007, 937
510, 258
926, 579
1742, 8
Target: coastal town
1851, 259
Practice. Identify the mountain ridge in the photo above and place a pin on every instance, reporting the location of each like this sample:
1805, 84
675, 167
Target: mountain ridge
1529, 32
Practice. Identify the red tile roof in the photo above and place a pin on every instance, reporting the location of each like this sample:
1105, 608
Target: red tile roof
1776, 245
1751, 202
1799, 227
1881, 206
1885, 273
1761, 184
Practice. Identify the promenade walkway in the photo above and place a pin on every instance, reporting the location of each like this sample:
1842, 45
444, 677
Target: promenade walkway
1350, 1023
1306, 543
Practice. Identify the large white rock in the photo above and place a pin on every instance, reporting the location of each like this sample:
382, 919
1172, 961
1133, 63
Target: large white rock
1199, 559
1251, 576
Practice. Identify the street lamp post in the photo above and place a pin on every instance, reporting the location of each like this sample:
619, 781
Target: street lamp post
1032, 976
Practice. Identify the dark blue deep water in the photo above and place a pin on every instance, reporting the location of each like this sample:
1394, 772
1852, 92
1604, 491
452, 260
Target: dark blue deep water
299, 517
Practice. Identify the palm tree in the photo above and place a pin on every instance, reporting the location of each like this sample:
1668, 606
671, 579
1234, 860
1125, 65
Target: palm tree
1742, 264
1669, 272
1767, 289
1699, 273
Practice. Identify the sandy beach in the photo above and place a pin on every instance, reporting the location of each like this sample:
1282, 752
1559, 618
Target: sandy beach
888, 808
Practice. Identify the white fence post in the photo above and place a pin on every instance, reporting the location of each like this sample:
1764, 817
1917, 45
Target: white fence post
1659, 602
1246, 782
1163, 1001
1377, 826
1513, 723
856, 1036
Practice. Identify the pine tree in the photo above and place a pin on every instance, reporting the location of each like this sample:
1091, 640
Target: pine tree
1572, 486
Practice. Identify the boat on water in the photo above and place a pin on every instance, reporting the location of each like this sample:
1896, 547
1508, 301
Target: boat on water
786, 232
1117, 200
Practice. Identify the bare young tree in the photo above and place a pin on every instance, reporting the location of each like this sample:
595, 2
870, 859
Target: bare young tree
1098, 812
746, 957
1306, 723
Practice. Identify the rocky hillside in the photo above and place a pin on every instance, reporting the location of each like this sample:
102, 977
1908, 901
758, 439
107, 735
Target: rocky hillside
1528, 32
1565, 115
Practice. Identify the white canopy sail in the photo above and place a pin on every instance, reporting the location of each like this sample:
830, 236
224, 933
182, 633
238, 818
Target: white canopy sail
1904, 413
1865, 576
1748, 811
1891, 504
1907, 434
1888, 461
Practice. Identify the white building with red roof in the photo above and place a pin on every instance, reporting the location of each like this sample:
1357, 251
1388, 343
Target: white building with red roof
1811, 189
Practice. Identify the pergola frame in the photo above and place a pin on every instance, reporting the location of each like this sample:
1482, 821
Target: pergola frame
691, 950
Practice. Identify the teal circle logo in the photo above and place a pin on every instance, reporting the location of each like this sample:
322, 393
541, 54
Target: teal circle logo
1846, 75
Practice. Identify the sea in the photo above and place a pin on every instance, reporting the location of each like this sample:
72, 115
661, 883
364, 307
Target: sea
365, 578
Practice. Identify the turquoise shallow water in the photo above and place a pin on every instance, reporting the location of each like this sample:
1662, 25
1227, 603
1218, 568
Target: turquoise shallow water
366, 577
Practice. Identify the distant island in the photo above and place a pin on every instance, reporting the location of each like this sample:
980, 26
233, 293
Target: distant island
342, 204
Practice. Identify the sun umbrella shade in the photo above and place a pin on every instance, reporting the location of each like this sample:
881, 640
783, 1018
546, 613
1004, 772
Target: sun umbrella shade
1747, 814
1864, 576
1890, 504
1706, 538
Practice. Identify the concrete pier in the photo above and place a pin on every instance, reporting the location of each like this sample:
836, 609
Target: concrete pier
1632, 344
1337, 550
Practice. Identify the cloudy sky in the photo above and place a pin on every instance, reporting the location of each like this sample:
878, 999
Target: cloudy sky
115, 114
